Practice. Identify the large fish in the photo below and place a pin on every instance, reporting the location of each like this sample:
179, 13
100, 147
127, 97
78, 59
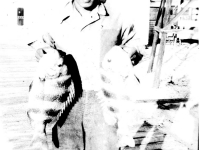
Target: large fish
55, 88
120, 97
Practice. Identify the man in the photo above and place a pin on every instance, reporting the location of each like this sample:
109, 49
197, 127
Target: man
88, 29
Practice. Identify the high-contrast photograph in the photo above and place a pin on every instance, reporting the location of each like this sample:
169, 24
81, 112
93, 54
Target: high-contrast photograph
99, 74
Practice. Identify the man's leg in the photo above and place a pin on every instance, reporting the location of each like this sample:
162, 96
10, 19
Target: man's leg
99, 136
70, 135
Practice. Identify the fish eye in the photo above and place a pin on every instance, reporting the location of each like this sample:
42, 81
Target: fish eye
59, 65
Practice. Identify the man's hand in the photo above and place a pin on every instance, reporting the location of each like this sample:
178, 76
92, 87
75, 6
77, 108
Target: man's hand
49, 40
42, 45
40, 52
134, 55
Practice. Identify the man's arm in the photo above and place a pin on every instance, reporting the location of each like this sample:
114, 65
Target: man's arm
131, 41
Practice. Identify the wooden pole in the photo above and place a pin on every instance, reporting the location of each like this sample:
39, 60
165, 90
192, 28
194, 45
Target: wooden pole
158, 23
162, 46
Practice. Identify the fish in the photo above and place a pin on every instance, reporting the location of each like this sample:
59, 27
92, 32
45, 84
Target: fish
120, 96
55, 88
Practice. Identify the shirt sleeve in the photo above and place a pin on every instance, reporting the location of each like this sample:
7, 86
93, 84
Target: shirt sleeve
130, 35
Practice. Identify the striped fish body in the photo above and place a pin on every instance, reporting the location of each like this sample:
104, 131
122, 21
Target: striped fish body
48, 97
120, 90
50, 92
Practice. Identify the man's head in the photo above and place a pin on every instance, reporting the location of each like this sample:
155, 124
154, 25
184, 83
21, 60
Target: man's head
87, 4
